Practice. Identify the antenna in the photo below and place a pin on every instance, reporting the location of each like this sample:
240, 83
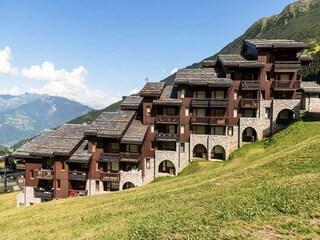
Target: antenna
146, 79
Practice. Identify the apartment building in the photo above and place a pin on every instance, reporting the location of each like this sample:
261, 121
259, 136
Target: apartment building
205, 115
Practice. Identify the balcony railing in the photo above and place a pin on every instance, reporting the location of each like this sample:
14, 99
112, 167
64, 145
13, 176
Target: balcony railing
218, 121
209, 102
285, 65
200, 102
110, 176
46, 174
20, 166
167, 137
44, 194
286, 84
250, 84
167, 119
217, 102
78, 175
78, 193
200, 120
131, 157
110, 157
249, 103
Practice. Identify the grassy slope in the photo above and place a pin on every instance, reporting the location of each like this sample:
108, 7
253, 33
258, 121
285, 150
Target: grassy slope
268, 189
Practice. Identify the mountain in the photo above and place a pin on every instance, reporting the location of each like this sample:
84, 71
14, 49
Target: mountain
299, 21
267, 190
27, 115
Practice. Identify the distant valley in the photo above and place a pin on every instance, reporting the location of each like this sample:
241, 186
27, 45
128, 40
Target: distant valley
27, 115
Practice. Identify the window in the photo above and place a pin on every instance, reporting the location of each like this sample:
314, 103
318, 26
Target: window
267, 113
63, 166
152, 128
133, 148
230, 130
235, 95
198, 129
199, 112
58, 184
182, 147
97, 166
113, 166
187, 112
31, 174
217, 131
167, 146
217, 112
115, 147
151, 145
170, 129
114, 186
218, 94
268, 76
248, 113
182, 129
169, 111
199, 94
235, 112
147, 163
148, 111
183, 93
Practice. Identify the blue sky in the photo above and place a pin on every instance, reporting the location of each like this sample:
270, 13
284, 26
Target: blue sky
96, 51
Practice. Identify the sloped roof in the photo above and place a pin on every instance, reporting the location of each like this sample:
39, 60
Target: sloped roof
81, 155
135, 133
201, 77
310, 87
275, 43
131, 102
152, 89
110, 124
59, 142
169, 96
236, 60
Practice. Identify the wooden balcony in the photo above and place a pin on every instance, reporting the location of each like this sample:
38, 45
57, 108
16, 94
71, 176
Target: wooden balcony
200, 102
250, 84
218, 121
129, 157
110, 157
217, 102
110, 176
209, 102
200, 120
20, 166
284, 85
167, 119
43, 194
249, 103
167, 137
78, 193
78, 175
284, 66
45, 174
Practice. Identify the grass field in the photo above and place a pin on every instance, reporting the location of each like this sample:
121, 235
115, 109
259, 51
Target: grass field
267, 190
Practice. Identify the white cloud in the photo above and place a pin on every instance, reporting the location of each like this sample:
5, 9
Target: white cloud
66, 84
5, 63
174, 70
134, 91
13, 91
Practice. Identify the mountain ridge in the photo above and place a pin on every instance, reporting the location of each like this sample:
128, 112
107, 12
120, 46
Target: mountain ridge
24, 116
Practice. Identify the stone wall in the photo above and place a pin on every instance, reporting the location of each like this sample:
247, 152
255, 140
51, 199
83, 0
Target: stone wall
184, 157
229, 143
133, 177
280, 104
173, 156
311, 103
149, 173
27, 198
